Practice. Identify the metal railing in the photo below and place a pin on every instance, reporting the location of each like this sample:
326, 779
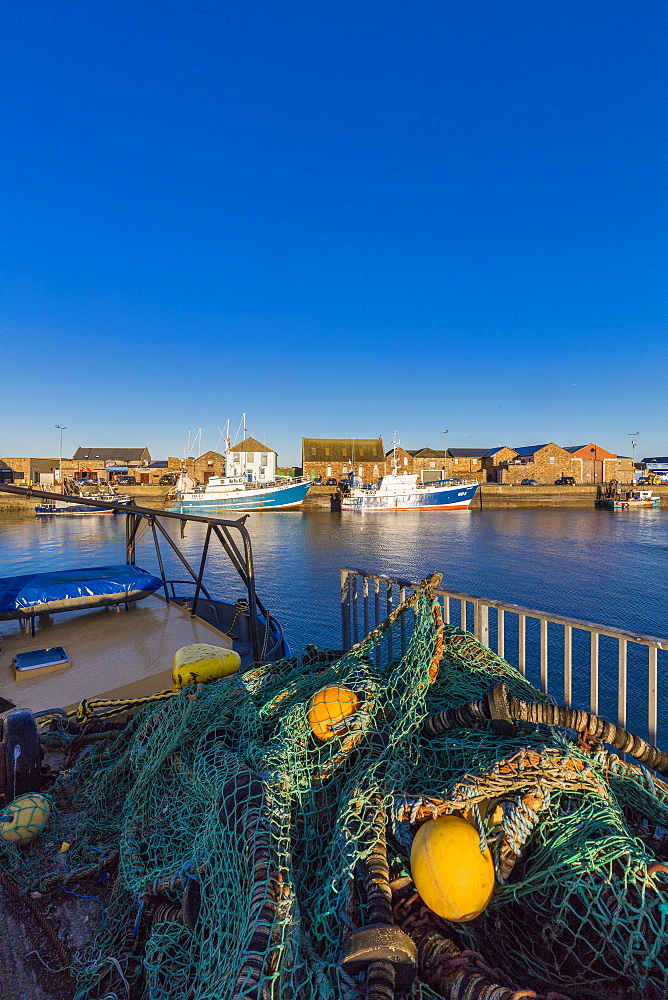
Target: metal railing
538, 643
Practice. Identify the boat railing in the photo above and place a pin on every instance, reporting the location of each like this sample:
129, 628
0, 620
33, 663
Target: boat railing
616, 670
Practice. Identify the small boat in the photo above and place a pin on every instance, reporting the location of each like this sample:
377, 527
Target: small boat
611, 497
60, 507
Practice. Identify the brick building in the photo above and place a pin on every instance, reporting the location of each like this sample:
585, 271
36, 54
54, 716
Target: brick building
596, 464
543, 462
465, 462
211, 463
495, 461
332, 458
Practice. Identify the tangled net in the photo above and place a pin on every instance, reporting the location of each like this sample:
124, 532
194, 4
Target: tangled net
241, 854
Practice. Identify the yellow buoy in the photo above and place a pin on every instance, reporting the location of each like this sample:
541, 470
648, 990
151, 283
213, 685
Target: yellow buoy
24, 818
200, 663
453, 878
329, 707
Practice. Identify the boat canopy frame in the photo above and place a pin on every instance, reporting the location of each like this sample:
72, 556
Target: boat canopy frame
240, 556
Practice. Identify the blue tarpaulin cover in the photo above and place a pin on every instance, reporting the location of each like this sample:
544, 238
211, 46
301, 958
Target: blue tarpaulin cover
67, 590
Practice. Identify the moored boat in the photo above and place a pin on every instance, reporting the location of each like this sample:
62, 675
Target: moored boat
404, 492
237, 493
612, 497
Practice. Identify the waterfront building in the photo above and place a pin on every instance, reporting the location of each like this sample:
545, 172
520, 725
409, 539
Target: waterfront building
332, 458
543, 462
596, 464
252, 458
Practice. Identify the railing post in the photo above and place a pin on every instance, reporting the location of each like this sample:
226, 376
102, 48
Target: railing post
621, 682
652, 702
501, 632
522, 644
593, 674
462, 614
353, 602
568, 665
543, 655
345, 609
482, 623
365, 603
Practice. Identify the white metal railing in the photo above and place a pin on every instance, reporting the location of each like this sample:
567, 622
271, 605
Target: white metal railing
367, 598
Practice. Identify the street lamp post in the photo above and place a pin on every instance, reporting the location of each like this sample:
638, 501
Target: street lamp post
60, 454
633, 435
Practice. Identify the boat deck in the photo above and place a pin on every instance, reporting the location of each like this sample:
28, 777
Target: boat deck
113, 653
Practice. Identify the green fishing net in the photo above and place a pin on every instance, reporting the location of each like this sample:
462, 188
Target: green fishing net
225, 841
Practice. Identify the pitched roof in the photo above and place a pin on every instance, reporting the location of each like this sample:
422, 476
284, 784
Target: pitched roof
601, 452
530, 449
343, 449
429, 453
495, 451
467, 452
105, 454
663, 459
251, 444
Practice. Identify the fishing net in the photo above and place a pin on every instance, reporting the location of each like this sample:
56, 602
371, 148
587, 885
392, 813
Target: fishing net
238, 835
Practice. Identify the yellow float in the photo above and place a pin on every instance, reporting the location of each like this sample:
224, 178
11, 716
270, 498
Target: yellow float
329, 707
200, 663
24, 818
453, 878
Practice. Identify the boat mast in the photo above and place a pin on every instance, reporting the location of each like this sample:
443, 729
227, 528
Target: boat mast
243, 460
394, 453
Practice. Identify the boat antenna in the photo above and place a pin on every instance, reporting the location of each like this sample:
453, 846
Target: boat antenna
394, 453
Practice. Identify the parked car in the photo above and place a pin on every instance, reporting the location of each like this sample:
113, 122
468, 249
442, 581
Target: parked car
168, 480
86, 481
330, 482
564, 481
317, 481
529, 482
126, 481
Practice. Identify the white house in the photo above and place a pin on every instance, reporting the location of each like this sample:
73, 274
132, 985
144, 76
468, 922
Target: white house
253, 459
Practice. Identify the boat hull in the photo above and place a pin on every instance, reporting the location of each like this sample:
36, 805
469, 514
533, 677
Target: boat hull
289, 497
447, 498
625, 504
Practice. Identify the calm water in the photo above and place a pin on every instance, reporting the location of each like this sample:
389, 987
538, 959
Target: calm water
597, 565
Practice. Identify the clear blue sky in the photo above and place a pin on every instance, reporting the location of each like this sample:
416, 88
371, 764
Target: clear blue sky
341, 217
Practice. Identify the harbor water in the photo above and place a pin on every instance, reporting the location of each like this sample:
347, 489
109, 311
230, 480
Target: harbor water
607, 568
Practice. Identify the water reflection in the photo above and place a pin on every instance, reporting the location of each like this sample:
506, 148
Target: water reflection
600, 566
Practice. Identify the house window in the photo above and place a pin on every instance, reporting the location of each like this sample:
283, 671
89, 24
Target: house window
329, 471
263, 460
432, 465
405, 459
344, 470
551, 459
249, 456
456, 461
360, 470
375, 470
235, 458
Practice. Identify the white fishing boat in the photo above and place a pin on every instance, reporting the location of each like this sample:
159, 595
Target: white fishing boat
402, 491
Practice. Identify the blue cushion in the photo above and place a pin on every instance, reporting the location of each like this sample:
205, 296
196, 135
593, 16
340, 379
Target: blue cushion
70, 589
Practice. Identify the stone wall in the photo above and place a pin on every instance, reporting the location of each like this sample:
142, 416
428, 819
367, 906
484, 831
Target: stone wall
369, 472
